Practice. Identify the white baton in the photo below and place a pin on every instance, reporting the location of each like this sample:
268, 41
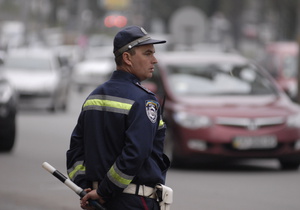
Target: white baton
78, 190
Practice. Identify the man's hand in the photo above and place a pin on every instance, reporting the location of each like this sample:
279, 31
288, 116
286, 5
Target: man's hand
91, 195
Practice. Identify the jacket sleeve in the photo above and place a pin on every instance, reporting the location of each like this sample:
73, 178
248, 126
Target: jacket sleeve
142, 123
75, 157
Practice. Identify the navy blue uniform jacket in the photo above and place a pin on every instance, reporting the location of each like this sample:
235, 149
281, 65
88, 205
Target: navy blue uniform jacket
118, 138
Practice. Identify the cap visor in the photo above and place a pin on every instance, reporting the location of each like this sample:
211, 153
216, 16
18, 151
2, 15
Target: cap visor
152, 41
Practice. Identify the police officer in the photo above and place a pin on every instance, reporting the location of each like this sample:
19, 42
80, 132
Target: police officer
116, 148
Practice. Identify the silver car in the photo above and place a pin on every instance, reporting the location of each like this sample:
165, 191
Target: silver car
95, 69
39, 78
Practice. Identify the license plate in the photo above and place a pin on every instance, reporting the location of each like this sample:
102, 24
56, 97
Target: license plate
254, 142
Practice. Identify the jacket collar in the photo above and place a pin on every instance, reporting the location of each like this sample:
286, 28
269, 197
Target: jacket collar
119, 74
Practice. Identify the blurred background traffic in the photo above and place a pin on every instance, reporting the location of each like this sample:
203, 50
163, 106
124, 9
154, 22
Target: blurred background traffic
228, 79
52, 47
242, 25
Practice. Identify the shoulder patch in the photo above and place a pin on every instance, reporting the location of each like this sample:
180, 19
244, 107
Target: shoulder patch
151, 110
145, 89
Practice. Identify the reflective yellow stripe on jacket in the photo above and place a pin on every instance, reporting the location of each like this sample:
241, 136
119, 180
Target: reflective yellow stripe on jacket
161, 123
118, 178
108, 103
77, 168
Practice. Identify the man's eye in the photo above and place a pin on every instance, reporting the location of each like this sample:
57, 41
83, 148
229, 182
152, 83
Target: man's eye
149, 53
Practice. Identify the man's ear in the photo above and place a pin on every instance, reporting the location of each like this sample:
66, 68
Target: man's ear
127, 58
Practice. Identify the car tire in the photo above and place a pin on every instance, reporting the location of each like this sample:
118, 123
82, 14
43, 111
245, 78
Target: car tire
8, 140
289, 164
52, 109
54, 106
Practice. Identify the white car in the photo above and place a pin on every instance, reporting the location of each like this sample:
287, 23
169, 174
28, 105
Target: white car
38, 77
91, 73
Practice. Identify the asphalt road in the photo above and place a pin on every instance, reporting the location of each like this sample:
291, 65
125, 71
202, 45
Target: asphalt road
42, 136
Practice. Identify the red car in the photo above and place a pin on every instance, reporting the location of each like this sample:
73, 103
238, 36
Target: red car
220, 106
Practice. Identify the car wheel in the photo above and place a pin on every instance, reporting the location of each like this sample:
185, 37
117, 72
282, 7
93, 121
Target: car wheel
64, 104
52, 108
8, 140
289, 164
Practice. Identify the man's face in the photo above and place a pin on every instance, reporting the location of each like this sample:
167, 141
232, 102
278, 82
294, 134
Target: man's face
143, 61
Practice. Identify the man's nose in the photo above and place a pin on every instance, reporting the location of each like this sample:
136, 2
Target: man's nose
154, 59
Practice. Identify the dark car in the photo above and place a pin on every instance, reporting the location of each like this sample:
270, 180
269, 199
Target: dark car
8, 111
220, 106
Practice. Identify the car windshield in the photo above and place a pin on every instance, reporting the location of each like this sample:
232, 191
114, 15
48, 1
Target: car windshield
191, 80
33, 64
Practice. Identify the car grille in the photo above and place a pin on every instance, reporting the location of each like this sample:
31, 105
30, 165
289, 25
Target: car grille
250, 123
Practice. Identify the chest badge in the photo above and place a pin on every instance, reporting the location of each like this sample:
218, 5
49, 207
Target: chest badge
151, 110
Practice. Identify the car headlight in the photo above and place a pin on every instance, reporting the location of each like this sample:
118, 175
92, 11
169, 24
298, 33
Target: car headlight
293, 121
6, 91
191, 121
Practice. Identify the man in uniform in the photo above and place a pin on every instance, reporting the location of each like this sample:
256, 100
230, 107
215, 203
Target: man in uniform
116, 148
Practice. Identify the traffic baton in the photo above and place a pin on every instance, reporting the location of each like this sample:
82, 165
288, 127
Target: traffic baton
78, 190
